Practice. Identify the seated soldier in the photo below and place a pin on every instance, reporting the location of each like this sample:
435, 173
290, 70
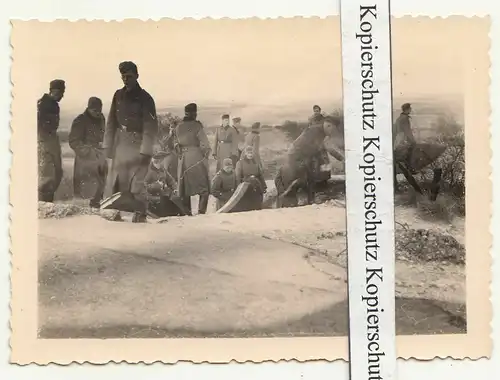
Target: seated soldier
248, 170
161, 189
224, 183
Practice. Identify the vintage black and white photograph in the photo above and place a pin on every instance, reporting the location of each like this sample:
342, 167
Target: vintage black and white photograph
191, 183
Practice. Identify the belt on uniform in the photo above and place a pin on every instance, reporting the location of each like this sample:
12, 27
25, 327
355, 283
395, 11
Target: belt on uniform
225, 142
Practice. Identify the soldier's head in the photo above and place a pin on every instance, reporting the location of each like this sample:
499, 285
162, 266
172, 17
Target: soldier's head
191, 111
225, 120
129, 73
159, 159
57, 89
227, 165
256, 127
249, 153
237, 121
316, 110
406, 108
94, 107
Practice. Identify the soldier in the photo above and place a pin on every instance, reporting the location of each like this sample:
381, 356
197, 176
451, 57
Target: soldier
240, 131
304, 149
224, 183
161, 188
248, 170
128, 139
403, 140
49, 148
193, 149
85, 138
226, 143
253, 139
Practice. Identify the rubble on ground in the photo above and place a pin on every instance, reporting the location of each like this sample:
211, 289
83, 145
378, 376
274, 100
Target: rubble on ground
48, 210
427, 245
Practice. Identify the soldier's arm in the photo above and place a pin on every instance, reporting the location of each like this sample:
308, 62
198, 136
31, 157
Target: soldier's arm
47, 120
151, 184
76, 136
102, 127
216, 142
150, 125
335, 153
110, 129
261, 177
217, 186
171, 182
239, 172
204, 143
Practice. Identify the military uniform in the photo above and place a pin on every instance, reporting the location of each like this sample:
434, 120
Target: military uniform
193, 148
49, 148
90, 168
129, 136
250, 171
226, 145
223, 186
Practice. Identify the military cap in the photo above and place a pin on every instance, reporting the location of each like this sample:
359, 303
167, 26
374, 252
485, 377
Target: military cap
160, 155
405, 106
316, 106
256, 125
227, 162
58, 84
94, 103
236, 119
191, 107
127, 66
225, 116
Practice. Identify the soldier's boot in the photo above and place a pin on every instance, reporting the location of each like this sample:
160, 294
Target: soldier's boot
187, 206
45, 196
203, 203
139, 217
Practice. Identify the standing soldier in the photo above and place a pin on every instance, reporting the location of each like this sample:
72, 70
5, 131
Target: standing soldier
300, 155
85, 138
240, 132
193, 148
129, 137
226, 143
253, 139
403, 140
49, 148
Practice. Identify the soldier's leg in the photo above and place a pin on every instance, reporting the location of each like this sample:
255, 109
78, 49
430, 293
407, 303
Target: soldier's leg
139, 193
203, 203
46, 175
58, 166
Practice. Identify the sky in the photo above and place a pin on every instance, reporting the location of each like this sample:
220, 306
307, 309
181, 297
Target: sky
280, 63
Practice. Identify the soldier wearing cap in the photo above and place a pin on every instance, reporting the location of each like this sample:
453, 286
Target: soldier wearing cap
90, 168
161, 188
129, 137
253, 139
224, 183
226, 143
49, 147
193, 148
402, 137
298, 162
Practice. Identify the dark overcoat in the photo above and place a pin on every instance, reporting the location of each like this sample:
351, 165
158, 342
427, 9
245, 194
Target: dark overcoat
90, 168
130, 132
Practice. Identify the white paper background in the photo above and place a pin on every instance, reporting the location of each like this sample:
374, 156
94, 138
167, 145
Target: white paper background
119, 9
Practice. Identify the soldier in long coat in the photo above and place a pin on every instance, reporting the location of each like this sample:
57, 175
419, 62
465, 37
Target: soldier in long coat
85, 138
226, 143
129, 137
49, 147
403, 139
304, 149
193, 149
253, 139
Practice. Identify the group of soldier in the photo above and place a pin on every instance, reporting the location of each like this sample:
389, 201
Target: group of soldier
118, 156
